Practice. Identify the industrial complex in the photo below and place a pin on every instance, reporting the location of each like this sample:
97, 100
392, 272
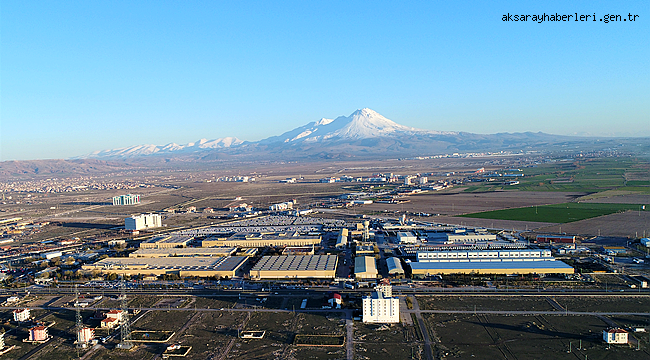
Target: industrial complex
295, 267
203, 266
249, 240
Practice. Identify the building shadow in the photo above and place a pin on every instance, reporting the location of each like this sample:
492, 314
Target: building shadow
88, 203
84, 225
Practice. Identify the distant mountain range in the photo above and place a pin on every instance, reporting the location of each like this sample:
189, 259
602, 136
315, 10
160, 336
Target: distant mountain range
145, 150
364, 134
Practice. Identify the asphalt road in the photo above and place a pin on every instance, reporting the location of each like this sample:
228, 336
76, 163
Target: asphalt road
317, 290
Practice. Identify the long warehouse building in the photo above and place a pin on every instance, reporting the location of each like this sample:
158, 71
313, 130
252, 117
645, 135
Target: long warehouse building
202, 266
365, 267
263, 239
190, 251
488, 262
295, 267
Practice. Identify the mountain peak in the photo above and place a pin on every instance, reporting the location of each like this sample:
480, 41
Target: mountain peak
323, 121
362, 124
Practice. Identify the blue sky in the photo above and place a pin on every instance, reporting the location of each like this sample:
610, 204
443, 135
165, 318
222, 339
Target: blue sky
79, 76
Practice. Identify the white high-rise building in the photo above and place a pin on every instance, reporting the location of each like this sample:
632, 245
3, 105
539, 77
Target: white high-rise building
144, 221
128, 199
380, 306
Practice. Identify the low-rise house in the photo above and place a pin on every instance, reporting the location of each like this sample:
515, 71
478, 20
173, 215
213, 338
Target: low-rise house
336, 300
38, 334
109, 323
21, 315
615, 336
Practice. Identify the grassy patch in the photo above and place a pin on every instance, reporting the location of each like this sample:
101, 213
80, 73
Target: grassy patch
557, 213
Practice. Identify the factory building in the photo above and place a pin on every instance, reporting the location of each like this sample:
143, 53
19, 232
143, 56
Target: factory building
142, 222
364, 248
484, 255
298, 250
128, 199
564, 239
166, 252
381, 306
394, 266
406, 237
365, 268
282, 206
202, 266
262, 239
488, 262
51, 255
470, 238
342, 240
166, 242
295, 267
411, 250
421, 269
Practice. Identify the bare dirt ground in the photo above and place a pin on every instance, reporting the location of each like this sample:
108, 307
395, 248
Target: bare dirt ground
622, 199
492, 223
628, 224
464, 203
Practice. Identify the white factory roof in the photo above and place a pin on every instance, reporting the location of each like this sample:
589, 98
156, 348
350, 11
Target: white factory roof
394, 266
296, 263
177, 263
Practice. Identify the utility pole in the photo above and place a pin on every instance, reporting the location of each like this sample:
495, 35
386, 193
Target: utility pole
125, 327
79, 320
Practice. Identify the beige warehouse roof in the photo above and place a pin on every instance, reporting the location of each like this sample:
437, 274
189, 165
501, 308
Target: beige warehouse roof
216, 251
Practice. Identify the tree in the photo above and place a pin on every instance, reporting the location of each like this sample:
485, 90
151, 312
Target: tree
69, 261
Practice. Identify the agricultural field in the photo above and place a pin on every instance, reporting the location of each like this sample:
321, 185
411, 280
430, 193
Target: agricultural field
456, 203
590, 176
630, 224
557, 213
593, 176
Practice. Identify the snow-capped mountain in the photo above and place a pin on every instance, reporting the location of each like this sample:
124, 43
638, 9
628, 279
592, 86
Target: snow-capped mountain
144, 150
361, 124
363, 134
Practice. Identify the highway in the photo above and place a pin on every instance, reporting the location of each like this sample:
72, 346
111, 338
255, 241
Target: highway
408, 311
62, 291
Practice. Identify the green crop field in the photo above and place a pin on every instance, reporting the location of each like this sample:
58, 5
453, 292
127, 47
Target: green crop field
589, 176
557, 213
